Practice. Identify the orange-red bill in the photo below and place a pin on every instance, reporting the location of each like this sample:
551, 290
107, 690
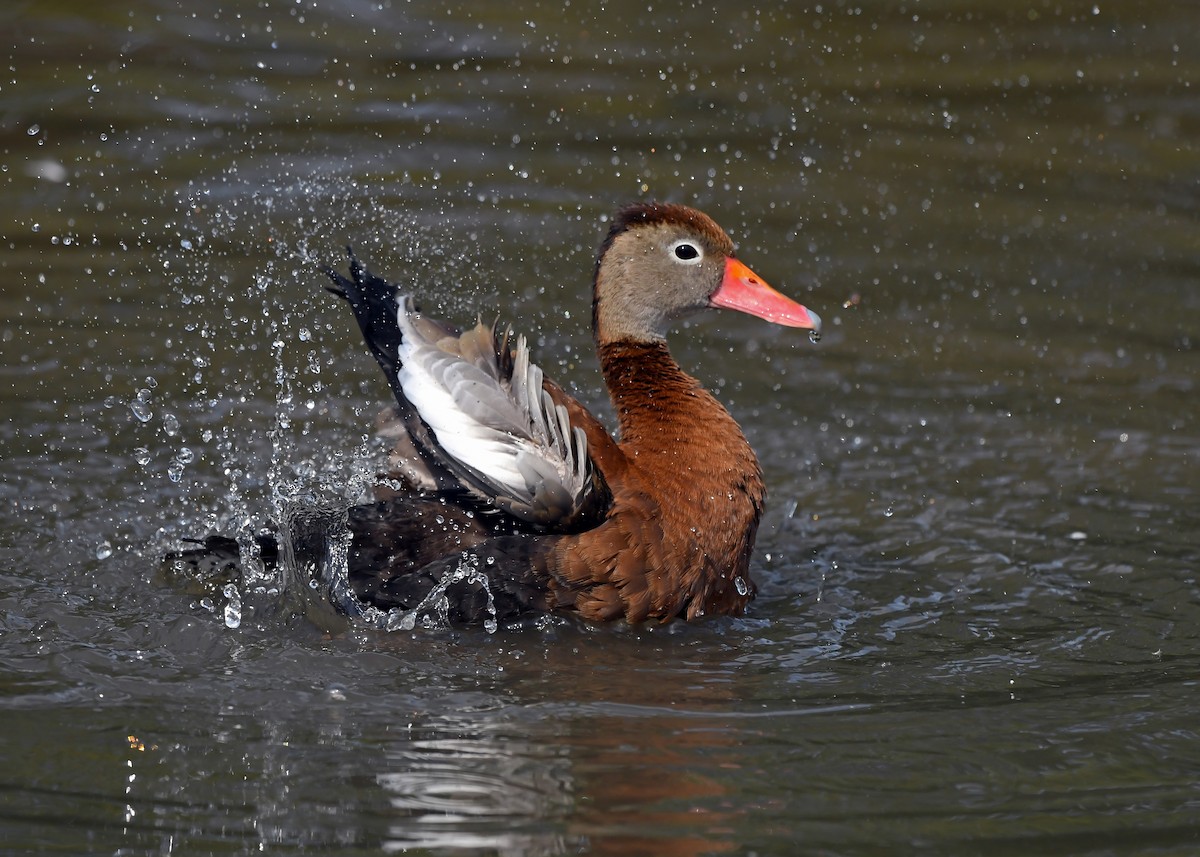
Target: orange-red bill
743, 290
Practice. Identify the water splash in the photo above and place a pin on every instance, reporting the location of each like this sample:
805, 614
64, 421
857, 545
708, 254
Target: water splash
332, 585
434, 609
324, 480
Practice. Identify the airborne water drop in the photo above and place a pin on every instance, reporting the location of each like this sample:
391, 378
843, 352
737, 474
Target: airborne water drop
233, 606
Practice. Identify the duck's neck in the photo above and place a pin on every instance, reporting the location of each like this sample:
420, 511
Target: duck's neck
664, 412
648, 390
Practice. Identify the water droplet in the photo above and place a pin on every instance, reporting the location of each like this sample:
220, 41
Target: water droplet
170, 424
141, 455
140, 406
104, 550
814, 336
740, 585
233, 606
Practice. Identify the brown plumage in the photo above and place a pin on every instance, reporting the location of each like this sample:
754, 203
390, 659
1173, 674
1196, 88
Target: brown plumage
500, 475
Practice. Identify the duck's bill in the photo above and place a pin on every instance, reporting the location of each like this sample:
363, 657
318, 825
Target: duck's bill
743, 290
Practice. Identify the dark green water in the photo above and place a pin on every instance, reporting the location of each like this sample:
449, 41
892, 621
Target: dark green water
978, 629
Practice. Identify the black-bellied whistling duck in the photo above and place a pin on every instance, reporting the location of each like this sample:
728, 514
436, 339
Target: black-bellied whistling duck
499, 477
496, 469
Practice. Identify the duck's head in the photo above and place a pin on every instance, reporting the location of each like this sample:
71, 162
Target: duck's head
661, 262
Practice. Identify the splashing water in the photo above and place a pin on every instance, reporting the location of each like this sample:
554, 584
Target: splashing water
434, 609
307, 489
432, 612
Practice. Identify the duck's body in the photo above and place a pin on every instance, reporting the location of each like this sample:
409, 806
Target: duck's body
657, 525
498, 472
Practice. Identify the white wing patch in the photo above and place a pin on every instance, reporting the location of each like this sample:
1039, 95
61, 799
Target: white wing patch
508, 432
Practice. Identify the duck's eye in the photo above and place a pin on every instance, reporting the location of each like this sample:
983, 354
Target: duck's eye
687, 252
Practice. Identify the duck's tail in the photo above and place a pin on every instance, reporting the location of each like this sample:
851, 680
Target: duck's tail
207, 565
373, 301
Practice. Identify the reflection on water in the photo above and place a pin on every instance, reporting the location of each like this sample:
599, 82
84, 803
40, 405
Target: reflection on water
623, 781
460, 789
639, 793
976, 629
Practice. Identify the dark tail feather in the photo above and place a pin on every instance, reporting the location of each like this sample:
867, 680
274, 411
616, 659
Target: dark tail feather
373, 301
214, 562
224, 548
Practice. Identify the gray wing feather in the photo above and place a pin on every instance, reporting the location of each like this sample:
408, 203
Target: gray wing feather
500, 430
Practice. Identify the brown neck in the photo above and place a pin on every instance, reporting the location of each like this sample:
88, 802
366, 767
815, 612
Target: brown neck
648, 389
665, 412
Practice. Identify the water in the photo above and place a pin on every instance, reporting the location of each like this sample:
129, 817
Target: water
976, 629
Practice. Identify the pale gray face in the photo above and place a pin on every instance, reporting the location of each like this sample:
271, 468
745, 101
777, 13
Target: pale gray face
654, 273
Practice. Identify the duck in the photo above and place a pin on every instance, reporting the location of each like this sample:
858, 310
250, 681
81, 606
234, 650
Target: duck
504, 497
